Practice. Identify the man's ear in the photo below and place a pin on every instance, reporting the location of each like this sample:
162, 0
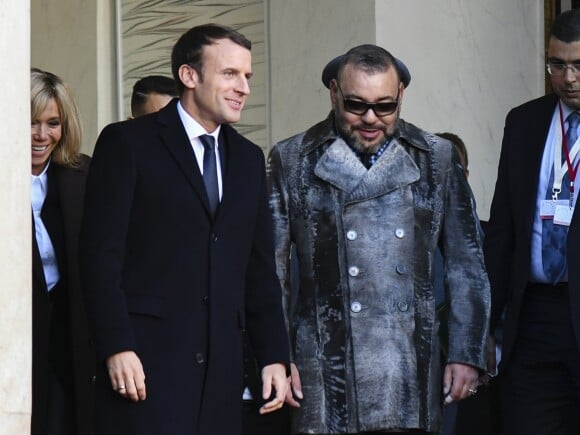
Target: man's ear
188, 76
333, 93
401, 92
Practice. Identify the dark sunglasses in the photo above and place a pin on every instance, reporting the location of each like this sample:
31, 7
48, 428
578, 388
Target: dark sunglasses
361, 107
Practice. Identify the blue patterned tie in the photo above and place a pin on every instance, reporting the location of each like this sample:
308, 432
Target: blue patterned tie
554, 236
210, 171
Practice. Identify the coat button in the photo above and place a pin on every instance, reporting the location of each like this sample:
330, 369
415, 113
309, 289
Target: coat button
401, 269
355, 307
205, 300
353, 271
351, 235
199, 358
214, 237
399, 233
402, 306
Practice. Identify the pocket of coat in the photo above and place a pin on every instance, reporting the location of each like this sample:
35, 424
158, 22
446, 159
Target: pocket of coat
147, 305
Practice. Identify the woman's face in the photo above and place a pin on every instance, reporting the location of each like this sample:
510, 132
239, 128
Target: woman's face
46, 134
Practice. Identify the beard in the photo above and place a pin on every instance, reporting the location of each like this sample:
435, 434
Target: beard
350, 134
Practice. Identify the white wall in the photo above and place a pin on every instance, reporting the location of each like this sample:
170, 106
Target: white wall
74, 39
15, 276
303, 36
471, 61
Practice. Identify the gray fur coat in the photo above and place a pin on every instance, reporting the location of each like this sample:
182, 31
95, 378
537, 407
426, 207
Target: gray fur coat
362, 320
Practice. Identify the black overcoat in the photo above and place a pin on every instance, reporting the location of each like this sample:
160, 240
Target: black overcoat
165, 279
69, 186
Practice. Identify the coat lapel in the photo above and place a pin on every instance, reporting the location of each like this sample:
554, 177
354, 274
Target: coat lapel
175, 138
393, 170
531, 154
71, 188
340, 167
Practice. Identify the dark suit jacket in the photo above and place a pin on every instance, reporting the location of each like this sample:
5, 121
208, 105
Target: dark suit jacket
507, 243
166, 280
68, 186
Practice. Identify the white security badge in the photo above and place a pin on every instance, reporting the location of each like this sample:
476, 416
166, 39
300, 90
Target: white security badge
548, 207
563, 215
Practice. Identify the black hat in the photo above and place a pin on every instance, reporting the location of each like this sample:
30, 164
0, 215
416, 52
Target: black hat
331, 68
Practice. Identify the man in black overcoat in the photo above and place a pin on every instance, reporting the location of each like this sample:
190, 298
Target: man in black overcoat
178, 255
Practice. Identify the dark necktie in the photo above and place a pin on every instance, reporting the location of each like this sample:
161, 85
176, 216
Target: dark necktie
210, 178
554, 236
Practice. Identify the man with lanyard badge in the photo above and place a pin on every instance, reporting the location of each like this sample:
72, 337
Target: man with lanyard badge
532, 249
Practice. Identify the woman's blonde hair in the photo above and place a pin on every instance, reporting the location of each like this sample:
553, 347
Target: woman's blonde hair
44, 87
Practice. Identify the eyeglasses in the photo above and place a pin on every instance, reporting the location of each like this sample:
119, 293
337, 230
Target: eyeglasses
558, 69
361, 107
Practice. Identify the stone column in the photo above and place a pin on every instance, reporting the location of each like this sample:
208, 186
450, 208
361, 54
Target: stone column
15, 224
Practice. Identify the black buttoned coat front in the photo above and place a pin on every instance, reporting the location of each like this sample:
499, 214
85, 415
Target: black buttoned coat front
178, 287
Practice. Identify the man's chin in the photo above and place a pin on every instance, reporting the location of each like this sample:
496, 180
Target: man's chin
572, 103
368, 147
361, 144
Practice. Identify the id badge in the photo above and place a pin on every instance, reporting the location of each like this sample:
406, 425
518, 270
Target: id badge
563, 215
548, 207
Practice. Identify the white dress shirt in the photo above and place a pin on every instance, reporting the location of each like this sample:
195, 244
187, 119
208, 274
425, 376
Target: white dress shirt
537, 270
194, 130
39, 185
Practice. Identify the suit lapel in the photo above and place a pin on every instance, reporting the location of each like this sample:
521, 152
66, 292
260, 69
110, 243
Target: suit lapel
71, 188
174, 137
530, 155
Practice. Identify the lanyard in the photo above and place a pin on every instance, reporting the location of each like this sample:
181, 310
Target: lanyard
561, 169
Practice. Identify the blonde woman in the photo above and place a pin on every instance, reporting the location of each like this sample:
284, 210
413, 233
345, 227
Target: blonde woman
62, 358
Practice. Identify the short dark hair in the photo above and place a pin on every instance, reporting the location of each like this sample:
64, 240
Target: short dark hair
566, 26
189, 47
150, 85
369, 58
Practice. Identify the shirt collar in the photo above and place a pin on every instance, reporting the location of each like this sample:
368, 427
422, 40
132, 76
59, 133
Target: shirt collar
38, 186
42, 176
193, 128
566, 110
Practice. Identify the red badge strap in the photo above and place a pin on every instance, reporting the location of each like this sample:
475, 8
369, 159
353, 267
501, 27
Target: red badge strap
572, 170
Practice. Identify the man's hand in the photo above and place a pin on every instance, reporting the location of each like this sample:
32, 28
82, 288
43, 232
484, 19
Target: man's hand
273, 376
459, 382
127, 376
295, 389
